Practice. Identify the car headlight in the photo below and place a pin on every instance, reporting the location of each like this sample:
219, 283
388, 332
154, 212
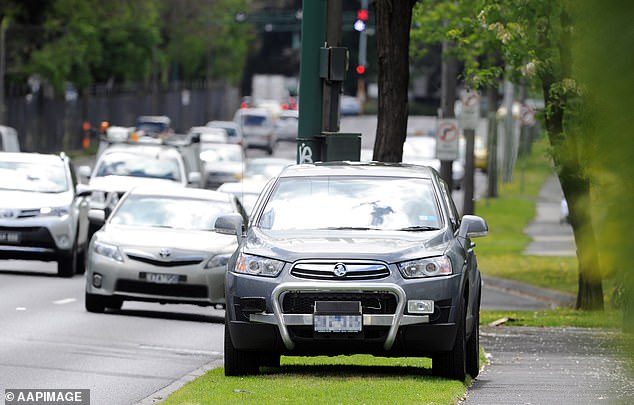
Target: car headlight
105, 249
54, 211
257, 265
427, 267
218, 261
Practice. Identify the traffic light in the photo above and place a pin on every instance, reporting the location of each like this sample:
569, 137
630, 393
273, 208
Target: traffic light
360, 69
362, 14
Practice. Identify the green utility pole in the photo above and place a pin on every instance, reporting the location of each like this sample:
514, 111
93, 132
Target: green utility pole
310, 101
322, 70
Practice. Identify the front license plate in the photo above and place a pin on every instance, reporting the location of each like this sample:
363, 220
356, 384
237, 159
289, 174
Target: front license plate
337, 323
9, 237
163, 278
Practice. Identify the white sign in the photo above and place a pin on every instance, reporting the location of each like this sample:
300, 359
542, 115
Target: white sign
469, 110
447, 139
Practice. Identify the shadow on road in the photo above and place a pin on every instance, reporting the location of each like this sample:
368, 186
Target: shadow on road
176, 316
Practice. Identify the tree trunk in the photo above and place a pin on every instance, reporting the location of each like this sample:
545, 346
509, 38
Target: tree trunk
576, 187
393, 21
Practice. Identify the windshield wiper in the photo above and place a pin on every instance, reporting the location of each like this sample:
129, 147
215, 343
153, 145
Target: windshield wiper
418, 228
351, 228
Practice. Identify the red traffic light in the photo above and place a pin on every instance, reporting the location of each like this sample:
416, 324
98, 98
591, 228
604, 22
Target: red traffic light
362, 14
360, 69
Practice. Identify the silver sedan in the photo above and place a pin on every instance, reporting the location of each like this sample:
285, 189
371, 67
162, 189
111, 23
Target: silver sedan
159, 246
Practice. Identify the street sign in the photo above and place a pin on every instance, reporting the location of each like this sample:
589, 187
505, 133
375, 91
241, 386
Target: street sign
469, 109
447, 139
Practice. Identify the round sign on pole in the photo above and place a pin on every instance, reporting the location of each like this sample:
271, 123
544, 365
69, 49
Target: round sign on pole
447, 139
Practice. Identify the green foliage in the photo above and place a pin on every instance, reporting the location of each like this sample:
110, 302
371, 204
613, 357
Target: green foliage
91, 41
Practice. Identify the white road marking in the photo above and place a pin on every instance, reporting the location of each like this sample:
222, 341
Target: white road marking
64, 301
20, 308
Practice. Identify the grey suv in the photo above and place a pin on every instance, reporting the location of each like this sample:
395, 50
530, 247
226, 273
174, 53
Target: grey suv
343, 258
43, 215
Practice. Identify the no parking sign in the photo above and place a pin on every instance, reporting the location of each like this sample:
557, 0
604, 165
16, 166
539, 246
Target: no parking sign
447, 139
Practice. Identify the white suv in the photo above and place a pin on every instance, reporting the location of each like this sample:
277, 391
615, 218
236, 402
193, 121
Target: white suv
43, 213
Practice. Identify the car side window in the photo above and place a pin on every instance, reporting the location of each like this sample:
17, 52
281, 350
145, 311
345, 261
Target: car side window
454, 217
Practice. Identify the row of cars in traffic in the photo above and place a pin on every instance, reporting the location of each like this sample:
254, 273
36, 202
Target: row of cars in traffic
330, 258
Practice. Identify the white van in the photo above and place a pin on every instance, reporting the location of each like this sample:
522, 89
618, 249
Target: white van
258, 127
9, 139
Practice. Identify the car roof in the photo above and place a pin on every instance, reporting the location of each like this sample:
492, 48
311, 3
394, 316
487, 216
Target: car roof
180, 192
142, 149
30, 157
358, 169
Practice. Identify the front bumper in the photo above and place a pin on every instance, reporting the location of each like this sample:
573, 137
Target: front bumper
391, 331
128, 280
37, 238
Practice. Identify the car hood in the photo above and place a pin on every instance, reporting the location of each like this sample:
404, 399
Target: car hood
224, 167
29, 199
145, 238
388, 246
125, 183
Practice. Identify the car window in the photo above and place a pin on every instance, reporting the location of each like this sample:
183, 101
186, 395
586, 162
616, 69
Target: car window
385, 203
33, 176
129, 164
254, 120
170, 212
454, 217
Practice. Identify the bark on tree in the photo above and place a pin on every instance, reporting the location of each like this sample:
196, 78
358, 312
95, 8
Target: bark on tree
393, 21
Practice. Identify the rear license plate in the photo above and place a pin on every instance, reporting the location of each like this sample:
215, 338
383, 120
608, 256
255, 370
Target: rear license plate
9, 237
337, 323
163, 278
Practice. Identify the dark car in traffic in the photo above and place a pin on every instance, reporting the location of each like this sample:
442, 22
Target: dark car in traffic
345, 258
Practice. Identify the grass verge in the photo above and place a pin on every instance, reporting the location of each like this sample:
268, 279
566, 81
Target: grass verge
558, 317
328, 380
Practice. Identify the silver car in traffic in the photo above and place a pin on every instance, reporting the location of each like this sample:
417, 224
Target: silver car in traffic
158, 245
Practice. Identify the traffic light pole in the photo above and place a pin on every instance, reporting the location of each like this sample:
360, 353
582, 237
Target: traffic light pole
322, 71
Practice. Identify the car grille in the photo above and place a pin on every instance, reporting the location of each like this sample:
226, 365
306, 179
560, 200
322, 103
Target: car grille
371, 302
352, 271
174, 262
167, 290
32, 236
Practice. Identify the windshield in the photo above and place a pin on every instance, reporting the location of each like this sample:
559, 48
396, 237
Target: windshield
170, 212
130, 164
33, 176
385, 203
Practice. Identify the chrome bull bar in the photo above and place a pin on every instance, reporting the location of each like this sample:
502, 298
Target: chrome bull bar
282, 320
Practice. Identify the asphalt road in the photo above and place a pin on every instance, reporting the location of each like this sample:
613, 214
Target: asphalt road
48, 340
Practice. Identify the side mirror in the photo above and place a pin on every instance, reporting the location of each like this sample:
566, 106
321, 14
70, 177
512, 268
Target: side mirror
84, 171
97, 217
83, 190
230, 224
473, 226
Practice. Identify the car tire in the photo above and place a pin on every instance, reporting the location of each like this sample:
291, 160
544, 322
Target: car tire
239, 362
473, 347
67, 264
81, 262
453, 364
95, 303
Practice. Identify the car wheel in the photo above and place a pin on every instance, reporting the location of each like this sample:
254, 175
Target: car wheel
453, 364
473, 347
239, 362
95, 303
67, 264
81, 262
270, 359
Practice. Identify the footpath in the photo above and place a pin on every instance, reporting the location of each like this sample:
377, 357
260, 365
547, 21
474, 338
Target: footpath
550, 365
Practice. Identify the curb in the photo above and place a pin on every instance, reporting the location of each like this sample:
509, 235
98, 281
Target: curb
555, 298
164, 392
